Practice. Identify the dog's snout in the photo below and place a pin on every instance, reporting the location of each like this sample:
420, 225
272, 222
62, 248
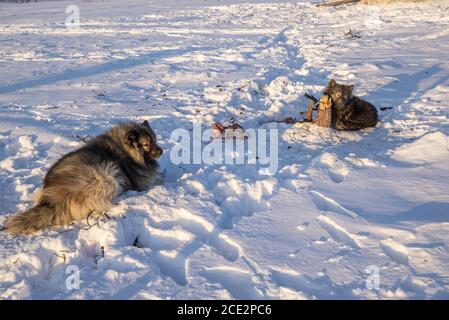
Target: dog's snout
157, 152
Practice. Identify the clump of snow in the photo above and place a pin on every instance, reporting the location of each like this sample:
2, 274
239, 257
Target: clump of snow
431, 148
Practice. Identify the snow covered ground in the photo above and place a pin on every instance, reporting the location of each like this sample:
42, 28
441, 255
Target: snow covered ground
342, 206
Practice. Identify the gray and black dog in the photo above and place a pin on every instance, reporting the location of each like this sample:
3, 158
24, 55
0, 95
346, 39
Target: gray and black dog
349, 112
87, 180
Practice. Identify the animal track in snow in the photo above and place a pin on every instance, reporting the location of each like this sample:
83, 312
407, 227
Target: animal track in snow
176, 237
20, 170
172, 264
292, 177
300, 282
303, 226
238, 282
337, 169
239, 199
168, 239
206, 232
362, 162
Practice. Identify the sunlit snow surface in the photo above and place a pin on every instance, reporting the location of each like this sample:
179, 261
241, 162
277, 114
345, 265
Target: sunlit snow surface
341, 204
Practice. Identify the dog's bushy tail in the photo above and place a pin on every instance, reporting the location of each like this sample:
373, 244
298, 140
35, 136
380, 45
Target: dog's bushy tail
73, 198
31, 221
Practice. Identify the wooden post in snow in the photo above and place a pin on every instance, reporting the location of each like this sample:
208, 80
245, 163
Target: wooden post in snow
324, 118
310, 111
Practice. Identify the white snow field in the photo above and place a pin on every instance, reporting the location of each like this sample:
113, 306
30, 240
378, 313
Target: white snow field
342, 206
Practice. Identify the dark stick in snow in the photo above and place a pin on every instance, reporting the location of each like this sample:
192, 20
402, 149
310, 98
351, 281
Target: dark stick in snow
337, 3
311, 97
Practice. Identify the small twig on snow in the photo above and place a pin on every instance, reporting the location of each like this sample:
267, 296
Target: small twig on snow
353, 34
337, 3
57, 255
99, 94
83, 139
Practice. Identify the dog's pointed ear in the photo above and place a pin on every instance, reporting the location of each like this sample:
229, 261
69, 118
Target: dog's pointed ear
145, 123
131, 137
331, 84
350, 88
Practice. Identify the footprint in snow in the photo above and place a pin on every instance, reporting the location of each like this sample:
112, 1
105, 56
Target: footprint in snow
336, 168
238, 282
171, 242
303, 226
318, 287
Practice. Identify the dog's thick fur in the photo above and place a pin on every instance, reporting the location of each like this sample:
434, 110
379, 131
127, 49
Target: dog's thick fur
86, 180
349, 112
